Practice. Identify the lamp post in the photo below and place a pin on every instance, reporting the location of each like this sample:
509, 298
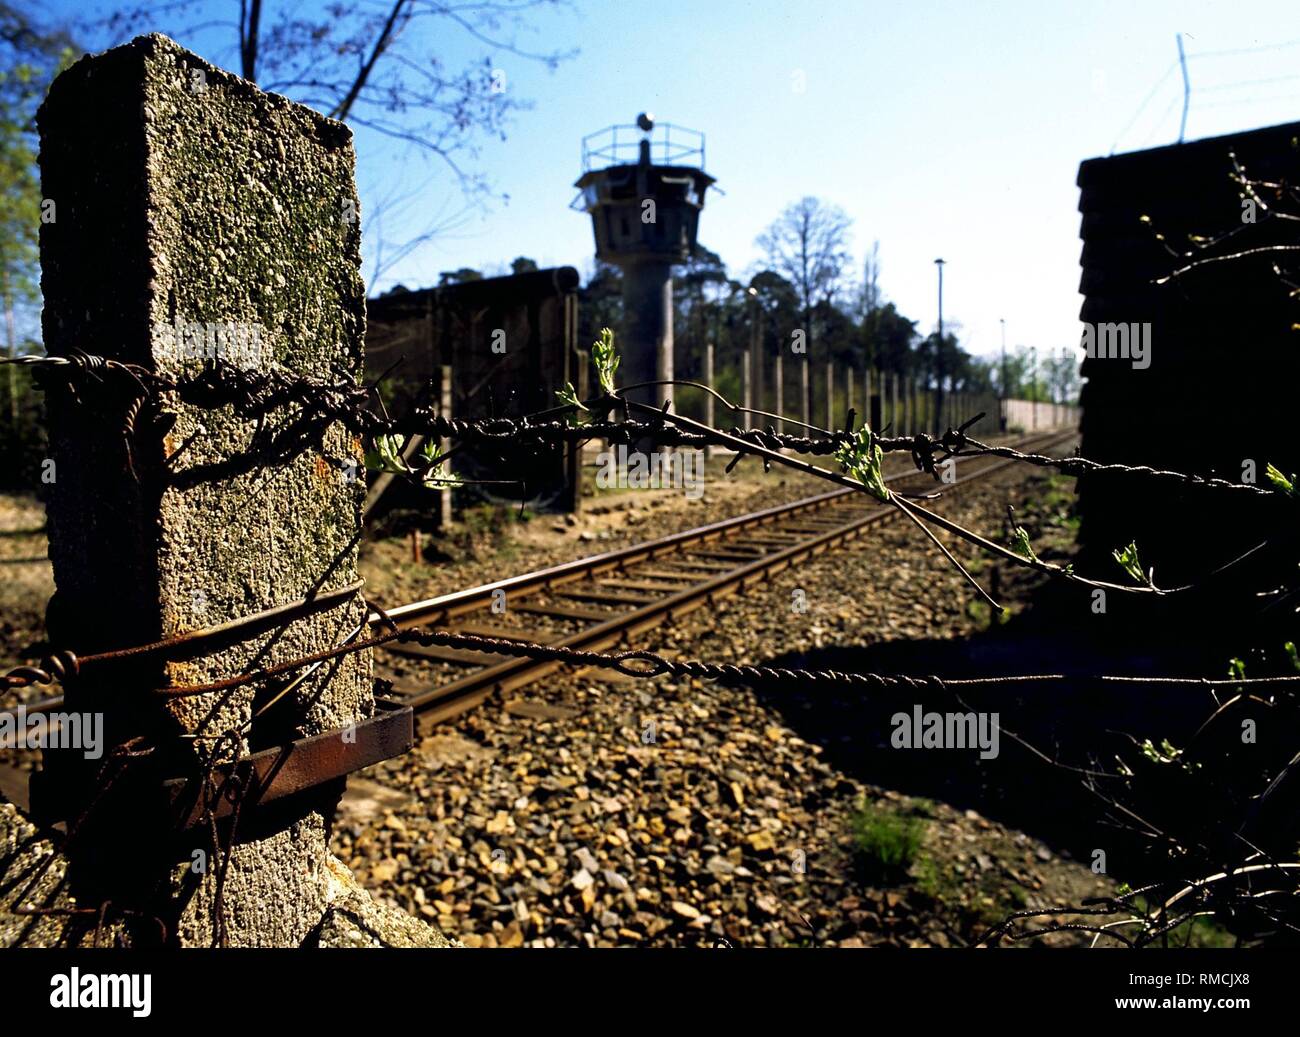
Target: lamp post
1002, 408
1033, 384
755, 356
938, 364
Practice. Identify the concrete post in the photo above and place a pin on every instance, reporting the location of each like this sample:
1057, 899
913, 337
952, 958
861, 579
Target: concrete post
708, 400
805, 391
647, 350
778, 376
188, 198
445, 398
746, 389
830, 394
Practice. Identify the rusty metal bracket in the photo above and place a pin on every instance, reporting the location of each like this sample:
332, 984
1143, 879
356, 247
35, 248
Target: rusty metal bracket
284, 770
266, 776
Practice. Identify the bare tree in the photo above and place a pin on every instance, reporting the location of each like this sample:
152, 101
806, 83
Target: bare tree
871, 281
808, 246
373, 65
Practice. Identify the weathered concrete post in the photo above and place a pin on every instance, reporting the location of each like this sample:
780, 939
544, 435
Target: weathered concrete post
708, 399
830, 394
746, 389
648, 313
778, 377
875, 398
445, 397
194, 210
805, 392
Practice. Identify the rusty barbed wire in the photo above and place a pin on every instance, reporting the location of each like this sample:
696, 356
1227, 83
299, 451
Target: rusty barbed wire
647, 664
57, 665
955, 444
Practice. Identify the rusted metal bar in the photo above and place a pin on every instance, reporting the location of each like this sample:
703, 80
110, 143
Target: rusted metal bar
269, 775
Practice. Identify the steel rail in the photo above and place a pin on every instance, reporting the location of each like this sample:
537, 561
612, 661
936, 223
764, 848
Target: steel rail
470, 599
443, 701
439, 703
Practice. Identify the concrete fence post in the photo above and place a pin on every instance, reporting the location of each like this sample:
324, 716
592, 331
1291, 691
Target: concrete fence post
778, 386
189, 200
708, 399
445, 407
830, 394
747, 389
805, 394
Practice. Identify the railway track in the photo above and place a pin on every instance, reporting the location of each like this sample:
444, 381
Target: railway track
605, 600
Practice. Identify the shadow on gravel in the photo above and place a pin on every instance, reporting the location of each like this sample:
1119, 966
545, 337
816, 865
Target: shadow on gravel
1077, 723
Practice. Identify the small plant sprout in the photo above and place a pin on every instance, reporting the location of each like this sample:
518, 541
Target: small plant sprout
605, 359
569, 396
1128, 561
387, 457
1166, 753
434, 467
387, 454
1280, 482
861, 457
1020, 539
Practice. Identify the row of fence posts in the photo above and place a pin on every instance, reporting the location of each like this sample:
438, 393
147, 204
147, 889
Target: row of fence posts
891, 403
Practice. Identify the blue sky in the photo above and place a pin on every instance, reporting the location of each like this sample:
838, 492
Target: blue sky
950, 129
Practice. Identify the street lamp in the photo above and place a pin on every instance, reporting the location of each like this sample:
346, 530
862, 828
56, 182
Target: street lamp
1033, 384
938, 354
1003, 406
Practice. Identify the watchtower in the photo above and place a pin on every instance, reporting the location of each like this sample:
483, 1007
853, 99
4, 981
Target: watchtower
643, 186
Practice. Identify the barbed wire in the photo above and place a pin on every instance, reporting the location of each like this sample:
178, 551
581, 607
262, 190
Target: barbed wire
966, 446
254, 394
637, 663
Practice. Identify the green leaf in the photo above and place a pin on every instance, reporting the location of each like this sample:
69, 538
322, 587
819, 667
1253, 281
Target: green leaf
433, 467
1291, 654
862, 458
1127, 557
438, 476
1280, 482
605, 359
386, 456
569, 395
1021, 545
1166, 753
